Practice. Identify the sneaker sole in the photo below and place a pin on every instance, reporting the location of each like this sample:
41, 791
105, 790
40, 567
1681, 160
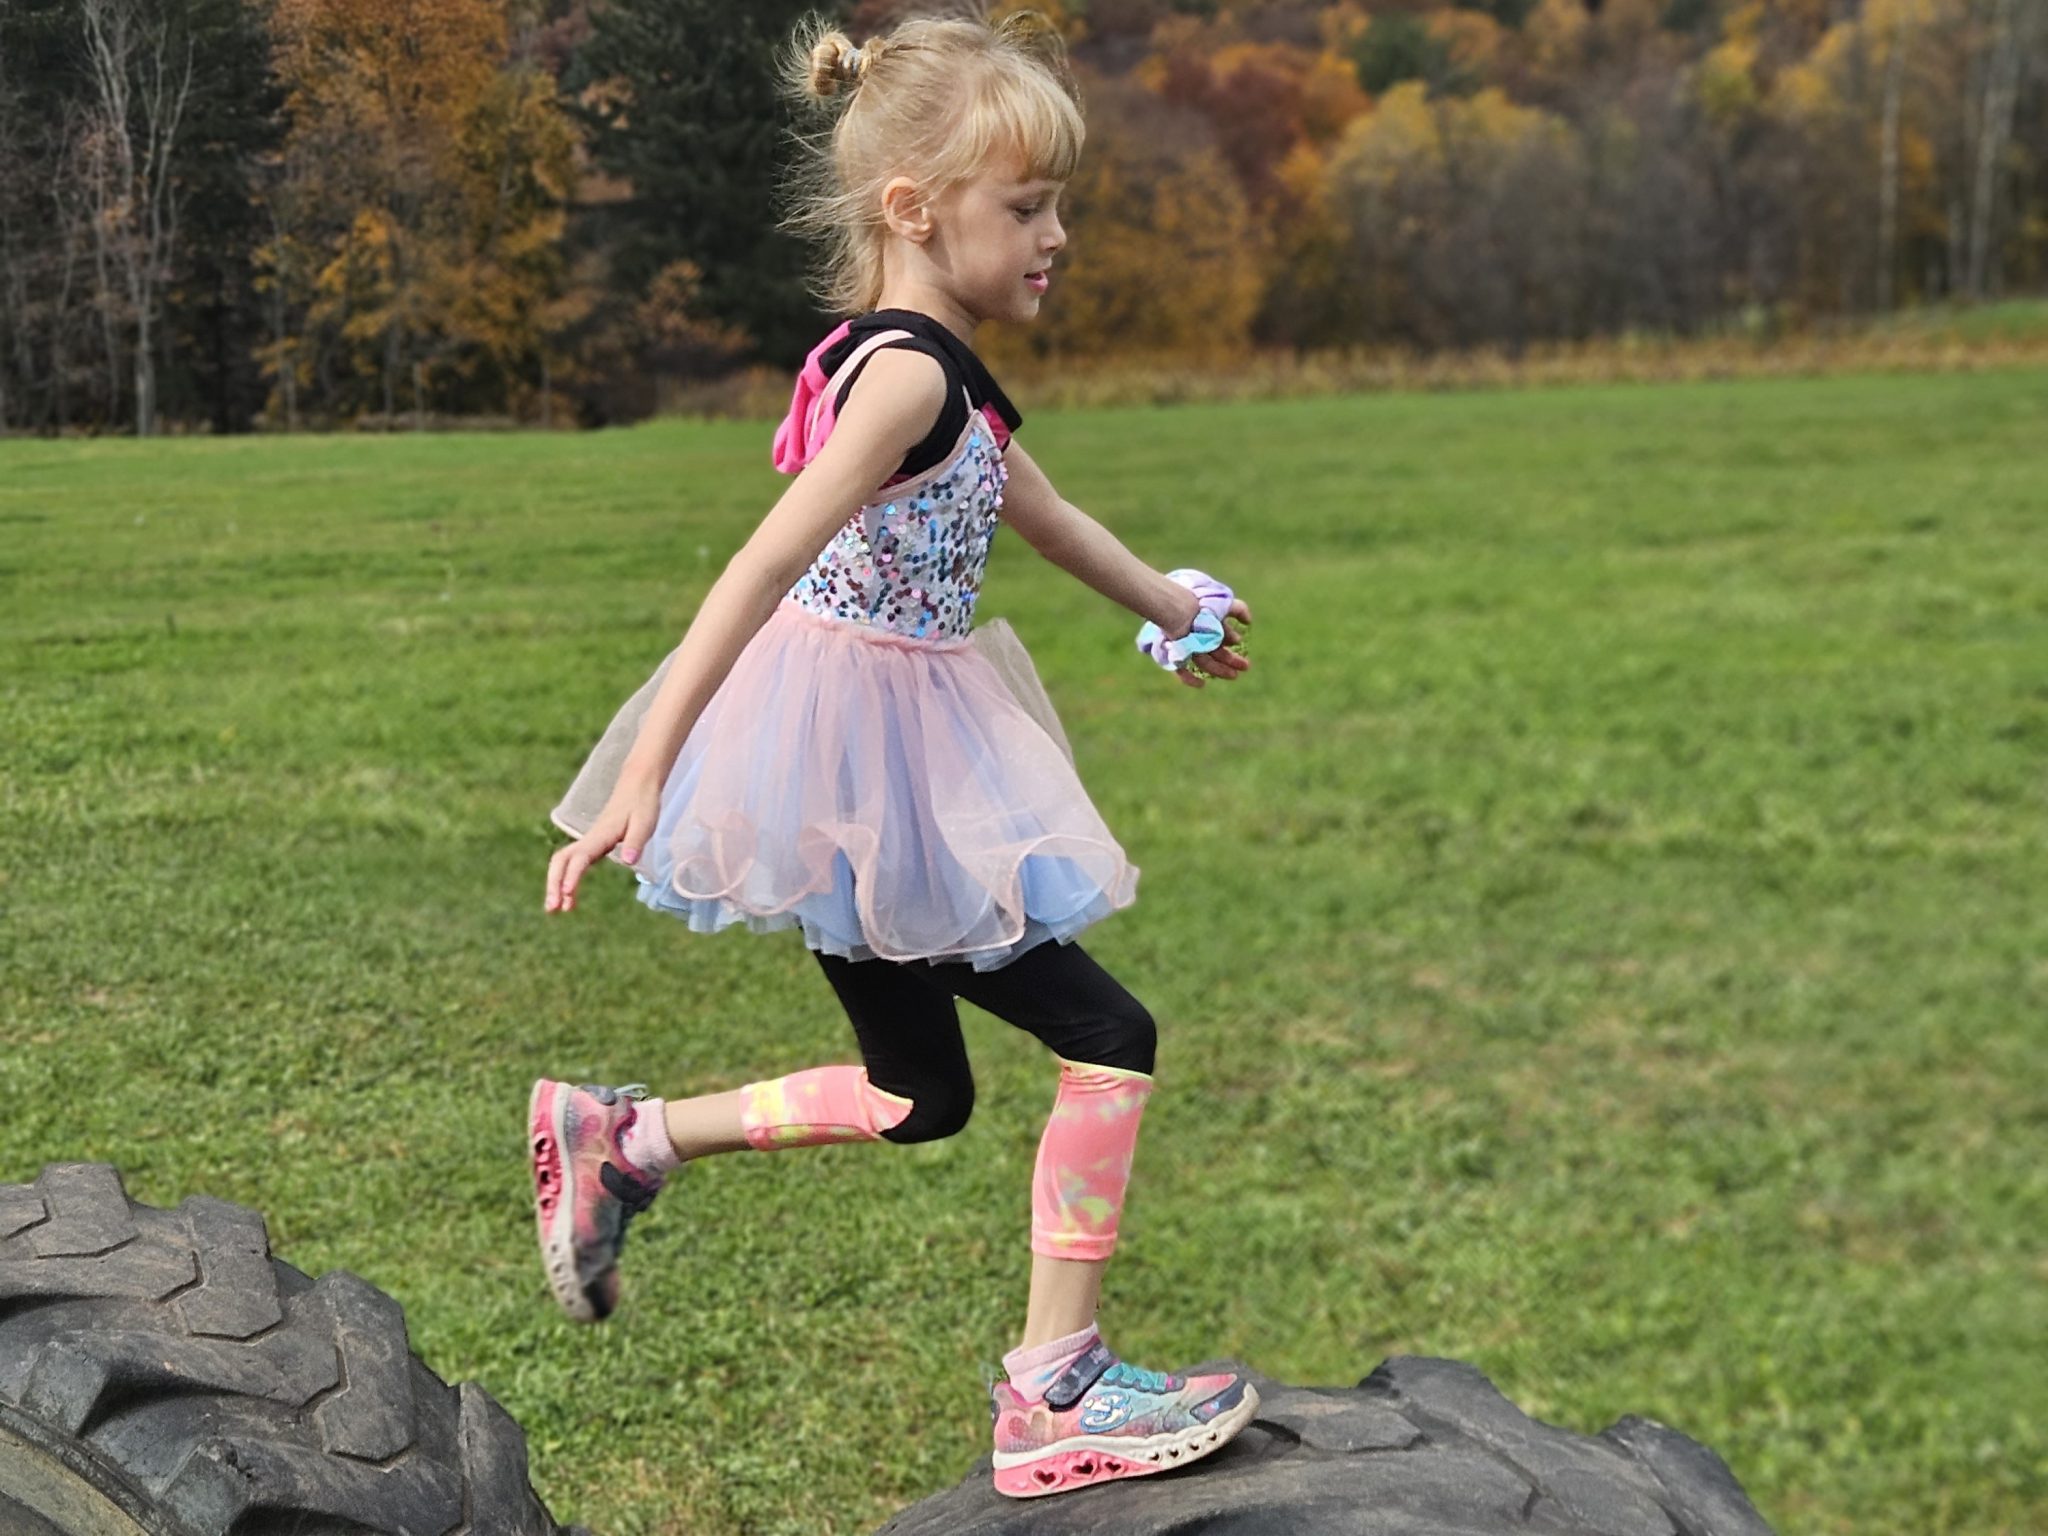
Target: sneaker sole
1087, 1459
545, 1113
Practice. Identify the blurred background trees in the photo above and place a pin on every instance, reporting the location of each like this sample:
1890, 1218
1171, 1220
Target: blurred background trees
223, 213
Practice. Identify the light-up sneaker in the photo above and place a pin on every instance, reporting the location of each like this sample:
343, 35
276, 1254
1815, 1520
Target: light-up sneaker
1104, 1419
585, 1190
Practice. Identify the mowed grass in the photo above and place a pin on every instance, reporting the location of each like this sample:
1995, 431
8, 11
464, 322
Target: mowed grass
1605, 939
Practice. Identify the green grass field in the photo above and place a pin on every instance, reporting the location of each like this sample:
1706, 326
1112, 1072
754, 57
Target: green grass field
1605, 939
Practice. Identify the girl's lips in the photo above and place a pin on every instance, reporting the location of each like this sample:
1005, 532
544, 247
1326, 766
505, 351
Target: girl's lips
1038, 280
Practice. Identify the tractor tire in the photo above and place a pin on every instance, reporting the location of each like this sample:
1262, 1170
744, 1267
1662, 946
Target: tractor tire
162, 1375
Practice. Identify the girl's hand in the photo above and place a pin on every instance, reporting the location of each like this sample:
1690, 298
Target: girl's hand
626, 823
1228, 659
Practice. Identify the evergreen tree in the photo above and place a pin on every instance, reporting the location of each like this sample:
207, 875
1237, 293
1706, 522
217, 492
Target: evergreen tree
678, 98
45, 336
213, 322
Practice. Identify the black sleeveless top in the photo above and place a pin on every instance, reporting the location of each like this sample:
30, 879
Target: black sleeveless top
964, 371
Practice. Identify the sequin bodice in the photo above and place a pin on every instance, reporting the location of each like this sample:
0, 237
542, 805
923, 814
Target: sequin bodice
911, 561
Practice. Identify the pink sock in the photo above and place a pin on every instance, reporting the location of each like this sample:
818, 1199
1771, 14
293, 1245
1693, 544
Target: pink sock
818, 1106
1033, 1371
1084, 1160
646, 1142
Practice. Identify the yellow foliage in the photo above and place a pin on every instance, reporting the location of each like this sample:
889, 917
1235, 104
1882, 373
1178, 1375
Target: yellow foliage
1342, 24
1304, 174
1885, 20
429, 185
1726, 85
1490, 118
1178, 32
1555, 35
1834, 54
1395, 136
1471, 38
1331, 97
1234, 56
391, 62
1741, 22
1803, 92
1410, 134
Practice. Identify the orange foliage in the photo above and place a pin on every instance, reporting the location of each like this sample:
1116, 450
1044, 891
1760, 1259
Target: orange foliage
1163, 250
1264, 99
393, 63
1471, 38
431, 188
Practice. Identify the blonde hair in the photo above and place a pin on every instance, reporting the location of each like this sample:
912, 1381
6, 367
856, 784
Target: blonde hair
935, 99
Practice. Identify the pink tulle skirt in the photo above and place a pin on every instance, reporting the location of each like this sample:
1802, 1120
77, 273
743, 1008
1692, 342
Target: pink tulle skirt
889, 796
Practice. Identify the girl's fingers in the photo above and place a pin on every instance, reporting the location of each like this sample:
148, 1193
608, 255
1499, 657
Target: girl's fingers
565, 869
634, 840
573, 872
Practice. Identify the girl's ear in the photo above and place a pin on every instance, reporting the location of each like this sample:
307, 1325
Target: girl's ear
904, 210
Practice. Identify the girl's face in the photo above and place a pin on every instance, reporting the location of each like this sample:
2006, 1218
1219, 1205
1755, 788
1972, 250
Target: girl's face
980, 251
1005, 231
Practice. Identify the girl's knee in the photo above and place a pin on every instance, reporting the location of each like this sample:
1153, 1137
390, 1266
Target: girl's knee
1125, 1036
937, 1111
1141, 1040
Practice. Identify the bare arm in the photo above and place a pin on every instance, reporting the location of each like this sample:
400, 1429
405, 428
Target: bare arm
1081, 546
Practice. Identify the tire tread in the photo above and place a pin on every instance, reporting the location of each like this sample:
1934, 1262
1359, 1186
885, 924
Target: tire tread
258, 1392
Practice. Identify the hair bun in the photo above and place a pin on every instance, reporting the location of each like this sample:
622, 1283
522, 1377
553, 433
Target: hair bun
838, 64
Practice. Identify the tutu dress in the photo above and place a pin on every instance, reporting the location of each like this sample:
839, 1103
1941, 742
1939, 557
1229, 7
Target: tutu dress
875, 769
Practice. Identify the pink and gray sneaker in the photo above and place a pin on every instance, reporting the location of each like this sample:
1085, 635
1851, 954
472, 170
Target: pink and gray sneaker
585, 1189
1104, 1419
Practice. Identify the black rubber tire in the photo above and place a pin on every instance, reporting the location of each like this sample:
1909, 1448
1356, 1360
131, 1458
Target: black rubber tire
162, 1375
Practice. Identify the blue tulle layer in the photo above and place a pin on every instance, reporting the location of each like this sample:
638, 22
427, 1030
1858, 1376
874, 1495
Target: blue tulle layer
1059, 901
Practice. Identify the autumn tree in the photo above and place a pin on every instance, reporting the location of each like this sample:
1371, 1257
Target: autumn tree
415, 252
1163, 251
1463, 218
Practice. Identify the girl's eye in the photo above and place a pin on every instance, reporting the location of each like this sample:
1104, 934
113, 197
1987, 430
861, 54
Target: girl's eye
1026, 213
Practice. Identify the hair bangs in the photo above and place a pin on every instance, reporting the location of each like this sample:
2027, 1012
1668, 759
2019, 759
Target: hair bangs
1025, 114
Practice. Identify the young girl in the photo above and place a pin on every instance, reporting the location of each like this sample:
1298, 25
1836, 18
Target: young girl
831, 748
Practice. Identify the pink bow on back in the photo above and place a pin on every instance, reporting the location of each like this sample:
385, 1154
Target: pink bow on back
809, 422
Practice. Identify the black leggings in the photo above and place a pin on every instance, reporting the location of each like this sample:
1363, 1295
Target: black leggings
909, 1029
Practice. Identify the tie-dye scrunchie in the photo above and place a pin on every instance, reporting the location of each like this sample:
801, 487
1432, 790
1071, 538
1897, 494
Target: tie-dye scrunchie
1207, 634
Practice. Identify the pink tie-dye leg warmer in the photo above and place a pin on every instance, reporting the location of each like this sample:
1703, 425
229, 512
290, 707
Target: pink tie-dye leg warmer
817, 1106
1084, 1160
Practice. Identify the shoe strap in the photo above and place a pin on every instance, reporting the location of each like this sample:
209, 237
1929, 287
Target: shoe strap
1080, 1376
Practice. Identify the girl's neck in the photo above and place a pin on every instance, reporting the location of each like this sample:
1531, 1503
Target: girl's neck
932, 303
